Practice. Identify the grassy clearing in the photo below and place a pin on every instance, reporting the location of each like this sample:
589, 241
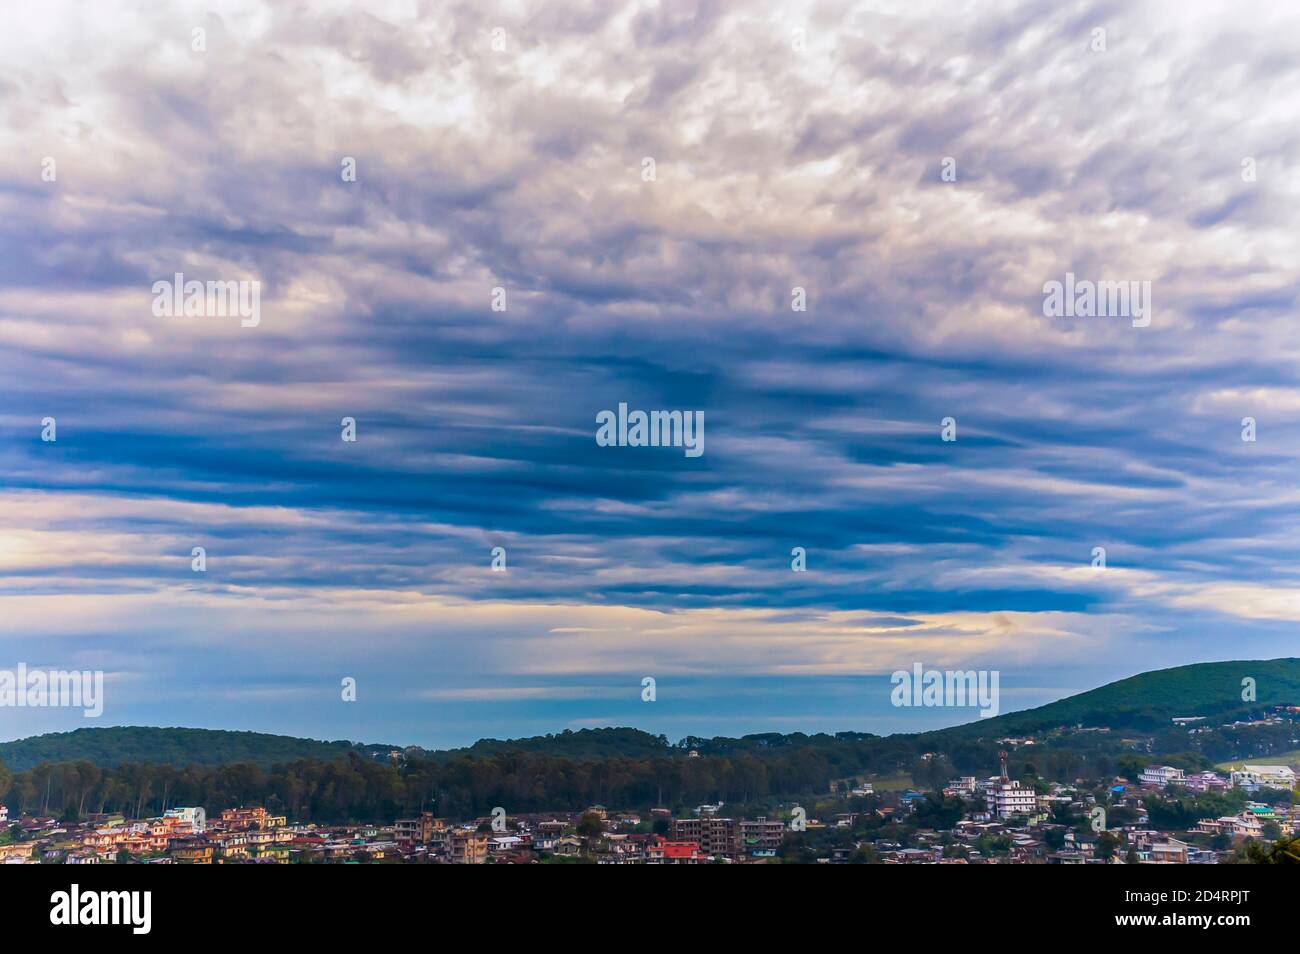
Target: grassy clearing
1291, 758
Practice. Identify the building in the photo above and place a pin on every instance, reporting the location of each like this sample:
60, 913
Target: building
467, 847
233, 818
1201, 782
16, 853
1235, 827
1266, 776
1169, 852
1158, 776
660, 851
963, 786
194, 819
191, 851
715, 836
409, 832
1009, 798
761, 835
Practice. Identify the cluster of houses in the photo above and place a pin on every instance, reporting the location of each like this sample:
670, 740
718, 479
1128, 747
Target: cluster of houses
1250, 778
178, 836
1020, 816
620, 839
254, 835
1005, 822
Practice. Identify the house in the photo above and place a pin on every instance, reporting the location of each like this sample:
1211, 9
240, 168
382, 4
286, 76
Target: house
193, 819
258, 817
1170, 852
15, 853
566, 846
191, 851
501, 844
660, 851
1202, 782
1235, 827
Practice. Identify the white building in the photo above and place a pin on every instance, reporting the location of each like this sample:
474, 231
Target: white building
1269, 776
195, 817
1158, 776
1011, 798
965, 785
501, 843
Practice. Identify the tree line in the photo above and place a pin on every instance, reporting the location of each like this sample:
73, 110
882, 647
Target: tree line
358, 788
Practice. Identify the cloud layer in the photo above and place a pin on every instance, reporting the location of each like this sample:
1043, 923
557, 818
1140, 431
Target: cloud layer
504, 146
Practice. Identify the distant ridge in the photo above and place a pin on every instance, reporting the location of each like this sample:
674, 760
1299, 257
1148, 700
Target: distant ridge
1147, 701
1150, 700
172, 746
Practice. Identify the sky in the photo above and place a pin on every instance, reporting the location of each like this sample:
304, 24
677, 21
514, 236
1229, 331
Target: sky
506, 264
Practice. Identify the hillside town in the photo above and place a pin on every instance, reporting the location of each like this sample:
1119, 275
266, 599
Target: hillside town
994, 820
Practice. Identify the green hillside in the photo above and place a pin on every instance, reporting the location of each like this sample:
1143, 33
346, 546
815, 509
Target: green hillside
170, 746
583, 744
1151, 699
1140, 703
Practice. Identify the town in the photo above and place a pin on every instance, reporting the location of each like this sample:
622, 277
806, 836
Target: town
994, 820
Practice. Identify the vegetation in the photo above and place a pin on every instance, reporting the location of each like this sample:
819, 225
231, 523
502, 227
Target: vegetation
1149, 700
1279, 853
172, 746
141, 771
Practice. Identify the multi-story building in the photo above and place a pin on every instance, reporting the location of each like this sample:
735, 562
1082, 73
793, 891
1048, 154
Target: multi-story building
417, 831
761, 835
1267, 776
193, 819
439, 839
1158, 776
467, 847
715, 836
963, 786
251, 818
1010, 797
191, 851
230, 845
1236, 827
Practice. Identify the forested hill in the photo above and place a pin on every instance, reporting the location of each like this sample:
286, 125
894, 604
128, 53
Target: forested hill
1151, 699
1144, 702
171, 746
